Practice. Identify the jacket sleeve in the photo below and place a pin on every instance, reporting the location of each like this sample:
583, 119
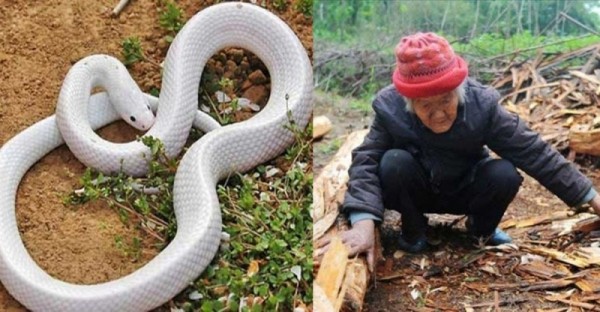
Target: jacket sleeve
511, 138
364, 190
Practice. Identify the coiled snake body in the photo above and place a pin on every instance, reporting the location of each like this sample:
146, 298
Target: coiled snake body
220, 152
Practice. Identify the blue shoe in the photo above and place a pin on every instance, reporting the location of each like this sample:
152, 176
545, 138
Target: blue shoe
417, 246
499, 237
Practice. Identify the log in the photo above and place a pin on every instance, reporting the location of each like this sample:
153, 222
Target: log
357, 282
571, 259
330, 186
329, 189
537, 220
585, 142
587, 225
320, 301
579, 222
332, 272
321, 126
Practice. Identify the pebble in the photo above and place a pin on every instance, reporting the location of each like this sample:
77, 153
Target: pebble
257, 77
237, 55
257, 94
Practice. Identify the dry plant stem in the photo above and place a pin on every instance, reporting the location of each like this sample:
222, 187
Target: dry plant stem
578, 23
212, 104
120, 6
152, 62
138, 215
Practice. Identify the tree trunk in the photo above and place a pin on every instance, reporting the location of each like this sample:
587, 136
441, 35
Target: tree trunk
475, 22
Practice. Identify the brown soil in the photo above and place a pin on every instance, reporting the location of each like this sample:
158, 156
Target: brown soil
451, 292
38, 44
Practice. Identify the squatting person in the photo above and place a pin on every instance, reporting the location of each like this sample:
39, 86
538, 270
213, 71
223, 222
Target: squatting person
427, 152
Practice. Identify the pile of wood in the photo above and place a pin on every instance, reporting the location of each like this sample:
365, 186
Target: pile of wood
560, 252
558, 100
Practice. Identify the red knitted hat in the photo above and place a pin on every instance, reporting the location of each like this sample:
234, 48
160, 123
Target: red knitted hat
426, 66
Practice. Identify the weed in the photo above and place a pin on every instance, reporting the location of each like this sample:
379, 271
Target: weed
132, 50
133, 53
361, 104
280, 5
331, 147
152, 213
171, 19
133, 250
227, 85
269, 254
304, 6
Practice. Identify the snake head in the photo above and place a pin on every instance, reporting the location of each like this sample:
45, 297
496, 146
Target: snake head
135, 110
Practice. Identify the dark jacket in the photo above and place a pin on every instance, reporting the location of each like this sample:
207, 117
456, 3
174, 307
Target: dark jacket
450, 157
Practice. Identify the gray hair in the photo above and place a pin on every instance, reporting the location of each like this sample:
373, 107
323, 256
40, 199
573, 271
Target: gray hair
461, 92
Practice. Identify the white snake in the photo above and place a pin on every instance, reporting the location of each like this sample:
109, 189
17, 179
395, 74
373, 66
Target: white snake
220, 152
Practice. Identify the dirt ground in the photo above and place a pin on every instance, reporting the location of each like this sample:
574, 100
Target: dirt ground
39, 41
445, 290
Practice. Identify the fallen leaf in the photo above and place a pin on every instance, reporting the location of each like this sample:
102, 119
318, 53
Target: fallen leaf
195, 295
253, 268
398, 254
415, 293
222, 97
297, 270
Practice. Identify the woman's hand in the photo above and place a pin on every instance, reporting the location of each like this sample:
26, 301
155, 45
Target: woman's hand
360, 238
595, 203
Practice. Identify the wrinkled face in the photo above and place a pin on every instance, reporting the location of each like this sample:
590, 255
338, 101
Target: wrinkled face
437, 112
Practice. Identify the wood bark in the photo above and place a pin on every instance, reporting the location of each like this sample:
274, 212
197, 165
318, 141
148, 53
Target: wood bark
586, 142
328, 194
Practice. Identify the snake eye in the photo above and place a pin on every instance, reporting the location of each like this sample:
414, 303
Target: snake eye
132, 118
148, 107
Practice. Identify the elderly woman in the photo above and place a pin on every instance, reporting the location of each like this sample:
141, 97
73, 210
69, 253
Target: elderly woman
427, 152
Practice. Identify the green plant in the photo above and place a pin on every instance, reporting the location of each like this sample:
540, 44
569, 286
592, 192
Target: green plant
304, 6
133, 250
132, 50
227, 85
331, 147
133, 53
171, 19
152, 213
269, 254
361, 104
303, 144
280, 5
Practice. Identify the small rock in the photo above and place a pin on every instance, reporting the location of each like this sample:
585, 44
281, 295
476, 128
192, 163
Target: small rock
246, 84
162, 44
230, 66
257, 94
237, 55
245, 66
257, 77
221, 57
219, 70
255, 62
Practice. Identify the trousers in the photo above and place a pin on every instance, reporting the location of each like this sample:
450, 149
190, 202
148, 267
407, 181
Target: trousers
407, 189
